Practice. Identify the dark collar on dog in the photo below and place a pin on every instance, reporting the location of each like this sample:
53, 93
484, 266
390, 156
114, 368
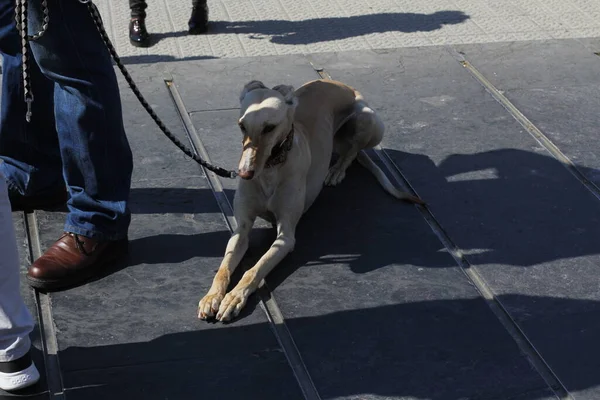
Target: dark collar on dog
280, 151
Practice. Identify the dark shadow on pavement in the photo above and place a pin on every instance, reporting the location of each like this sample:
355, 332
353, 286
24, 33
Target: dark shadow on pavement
156, 58
328, 29
324, 29
540, 212
350, 223
165, 200
443, 350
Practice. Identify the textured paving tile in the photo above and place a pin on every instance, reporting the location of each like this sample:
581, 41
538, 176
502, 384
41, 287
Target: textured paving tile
275, 27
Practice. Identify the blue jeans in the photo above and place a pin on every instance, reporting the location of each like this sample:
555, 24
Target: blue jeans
76, 135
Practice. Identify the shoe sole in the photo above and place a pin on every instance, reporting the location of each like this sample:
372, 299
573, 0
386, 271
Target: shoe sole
145, 43
19, 380
82, 276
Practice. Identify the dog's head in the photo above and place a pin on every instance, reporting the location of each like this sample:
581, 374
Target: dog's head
266, 118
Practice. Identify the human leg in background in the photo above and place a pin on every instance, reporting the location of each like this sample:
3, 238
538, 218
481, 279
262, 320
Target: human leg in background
138, 35
17, 371
96, 157
198, 22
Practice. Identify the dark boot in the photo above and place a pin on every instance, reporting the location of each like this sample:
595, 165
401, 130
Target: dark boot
198, 22
138, 35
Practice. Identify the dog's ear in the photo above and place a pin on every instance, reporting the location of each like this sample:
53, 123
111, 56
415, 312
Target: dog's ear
288, 92
250, 86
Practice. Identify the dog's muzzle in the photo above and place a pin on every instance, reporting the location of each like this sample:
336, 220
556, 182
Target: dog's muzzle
247, 163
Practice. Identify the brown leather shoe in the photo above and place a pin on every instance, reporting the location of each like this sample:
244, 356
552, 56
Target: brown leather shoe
73, 259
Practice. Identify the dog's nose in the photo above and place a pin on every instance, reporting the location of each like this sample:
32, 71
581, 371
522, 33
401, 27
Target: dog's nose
245, 174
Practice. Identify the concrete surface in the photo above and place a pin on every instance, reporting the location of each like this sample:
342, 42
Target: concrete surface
490, 293
242, 28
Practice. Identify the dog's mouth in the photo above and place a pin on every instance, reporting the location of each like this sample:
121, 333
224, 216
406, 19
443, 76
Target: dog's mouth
247, 165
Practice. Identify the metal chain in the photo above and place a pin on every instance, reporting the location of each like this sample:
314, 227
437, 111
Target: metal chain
21, 22
21, 12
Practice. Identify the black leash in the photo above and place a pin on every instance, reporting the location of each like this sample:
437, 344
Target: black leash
21, 18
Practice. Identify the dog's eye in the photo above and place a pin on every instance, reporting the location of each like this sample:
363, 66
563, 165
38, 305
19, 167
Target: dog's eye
242, 128
268, 128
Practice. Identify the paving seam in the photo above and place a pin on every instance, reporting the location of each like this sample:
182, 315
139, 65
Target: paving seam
533, 130
267, 301
191, 112
49, 339
522, 341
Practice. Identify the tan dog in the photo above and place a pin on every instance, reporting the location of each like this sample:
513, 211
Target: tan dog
288, 140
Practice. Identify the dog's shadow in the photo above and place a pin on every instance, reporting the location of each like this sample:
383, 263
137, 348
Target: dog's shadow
358, 226
355, 225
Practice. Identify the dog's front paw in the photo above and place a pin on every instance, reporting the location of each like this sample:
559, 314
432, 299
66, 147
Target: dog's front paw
209, 305
232, 304
335, 175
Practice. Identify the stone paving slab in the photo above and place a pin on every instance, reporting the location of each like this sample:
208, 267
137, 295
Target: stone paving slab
556, 85
242, 28
516, 213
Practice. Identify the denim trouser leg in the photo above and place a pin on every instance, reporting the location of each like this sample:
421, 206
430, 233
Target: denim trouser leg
96, 157
15, 320
29, 153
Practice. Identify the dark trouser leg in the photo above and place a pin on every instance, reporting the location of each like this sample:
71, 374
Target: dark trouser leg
138, 8
198, 22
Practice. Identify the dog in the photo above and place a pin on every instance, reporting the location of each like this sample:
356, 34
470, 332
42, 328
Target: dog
289, 137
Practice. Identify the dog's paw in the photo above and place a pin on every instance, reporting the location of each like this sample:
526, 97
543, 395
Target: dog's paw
209, 305
335, 176
231, 305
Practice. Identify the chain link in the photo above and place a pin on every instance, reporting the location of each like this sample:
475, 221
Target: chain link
21, 23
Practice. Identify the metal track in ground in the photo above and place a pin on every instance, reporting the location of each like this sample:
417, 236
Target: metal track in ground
44, 308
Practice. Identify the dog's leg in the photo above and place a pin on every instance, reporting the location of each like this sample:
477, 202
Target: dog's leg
365, 129
287, 218
236, 248
337, 172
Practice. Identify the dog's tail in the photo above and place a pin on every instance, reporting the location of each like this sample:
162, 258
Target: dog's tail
383, 180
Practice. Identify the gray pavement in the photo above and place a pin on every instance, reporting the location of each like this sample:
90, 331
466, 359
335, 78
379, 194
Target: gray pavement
489, 293
243, 28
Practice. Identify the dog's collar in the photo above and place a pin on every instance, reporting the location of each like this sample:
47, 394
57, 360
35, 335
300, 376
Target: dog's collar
280, 151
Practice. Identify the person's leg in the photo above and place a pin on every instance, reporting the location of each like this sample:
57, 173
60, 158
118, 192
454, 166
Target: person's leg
138, 8
29, 153
16, 368
97, 160
138, 34
198, 22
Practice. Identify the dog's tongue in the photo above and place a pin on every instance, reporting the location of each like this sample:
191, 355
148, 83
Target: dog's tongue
246, 167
